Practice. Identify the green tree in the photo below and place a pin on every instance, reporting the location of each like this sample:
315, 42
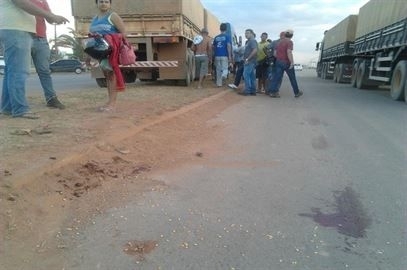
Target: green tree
72, 42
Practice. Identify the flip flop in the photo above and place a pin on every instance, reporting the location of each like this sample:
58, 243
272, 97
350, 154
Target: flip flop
107, 109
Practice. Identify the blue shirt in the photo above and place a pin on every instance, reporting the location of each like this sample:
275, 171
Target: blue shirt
103, 26
220, 45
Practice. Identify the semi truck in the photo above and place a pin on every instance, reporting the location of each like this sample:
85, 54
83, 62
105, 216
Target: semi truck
160, 31
368, 49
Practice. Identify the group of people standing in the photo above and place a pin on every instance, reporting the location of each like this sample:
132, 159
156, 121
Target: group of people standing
250, 61
268, 69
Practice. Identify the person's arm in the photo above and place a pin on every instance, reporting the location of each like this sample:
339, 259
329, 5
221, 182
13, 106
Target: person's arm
32, 9
209, 49
118, 22
290, 57
252, 54
230, 57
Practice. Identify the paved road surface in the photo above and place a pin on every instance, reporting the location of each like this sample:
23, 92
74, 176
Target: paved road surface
312, 183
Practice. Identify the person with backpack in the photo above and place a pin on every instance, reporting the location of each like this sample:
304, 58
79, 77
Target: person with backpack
271, 59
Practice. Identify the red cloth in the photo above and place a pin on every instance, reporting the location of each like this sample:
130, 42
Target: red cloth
115, 40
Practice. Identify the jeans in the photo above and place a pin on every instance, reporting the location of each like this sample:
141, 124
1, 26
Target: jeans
276, 82
249, 74
239, 72
222, 65
17, 47
272, 76
40, 54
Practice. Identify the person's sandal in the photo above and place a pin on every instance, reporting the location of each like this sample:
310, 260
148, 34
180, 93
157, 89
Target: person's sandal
107, 109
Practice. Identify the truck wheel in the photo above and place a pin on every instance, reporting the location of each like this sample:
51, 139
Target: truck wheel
189, 69
101, 82
129, 76
323, 71
341, 70
335, 75
361, 76
398, 81
354, 73
405, 92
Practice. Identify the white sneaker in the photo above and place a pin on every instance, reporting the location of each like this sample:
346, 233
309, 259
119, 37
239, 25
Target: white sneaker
232, 86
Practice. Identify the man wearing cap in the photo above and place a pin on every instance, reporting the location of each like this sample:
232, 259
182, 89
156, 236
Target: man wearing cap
284, 63
202, 48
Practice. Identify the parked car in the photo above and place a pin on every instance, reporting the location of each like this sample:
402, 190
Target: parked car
2, 65
298, 67
67, 65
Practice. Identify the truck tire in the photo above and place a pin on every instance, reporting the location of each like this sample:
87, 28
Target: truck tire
398, 81
340, 78
101, 82
323, 71
129, 76
354, 73
190, 68
336, 73
405, 93
361, 76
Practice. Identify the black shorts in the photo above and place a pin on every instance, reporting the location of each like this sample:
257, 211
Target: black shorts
261, 70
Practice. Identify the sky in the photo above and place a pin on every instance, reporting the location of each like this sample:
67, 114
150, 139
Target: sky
308, 18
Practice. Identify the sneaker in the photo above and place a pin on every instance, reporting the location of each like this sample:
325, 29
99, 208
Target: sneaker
231, 85
275, 95
300, 93
55, 103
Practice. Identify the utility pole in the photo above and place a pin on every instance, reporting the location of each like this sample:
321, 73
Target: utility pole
55, 36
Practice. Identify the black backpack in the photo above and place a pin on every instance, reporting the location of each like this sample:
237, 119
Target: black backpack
269, 51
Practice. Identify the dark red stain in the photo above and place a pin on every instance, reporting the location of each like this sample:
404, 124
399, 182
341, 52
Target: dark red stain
349, 218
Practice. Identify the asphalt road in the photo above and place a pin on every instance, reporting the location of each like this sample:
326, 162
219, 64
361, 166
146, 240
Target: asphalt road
63, 82
315, 183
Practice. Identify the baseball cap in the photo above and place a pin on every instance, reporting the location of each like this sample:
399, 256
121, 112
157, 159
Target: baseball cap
289, 31
204, 30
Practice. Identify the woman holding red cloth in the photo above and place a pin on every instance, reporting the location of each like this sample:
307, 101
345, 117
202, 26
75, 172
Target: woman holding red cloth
109, 25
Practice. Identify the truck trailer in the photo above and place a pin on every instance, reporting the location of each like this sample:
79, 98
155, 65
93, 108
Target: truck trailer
336, 57
161, 32
377, 51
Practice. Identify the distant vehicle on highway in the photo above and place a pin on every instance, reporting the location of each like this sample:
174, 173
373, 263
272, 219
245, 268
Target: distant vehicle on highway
67, 65
2, 65
298, 67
